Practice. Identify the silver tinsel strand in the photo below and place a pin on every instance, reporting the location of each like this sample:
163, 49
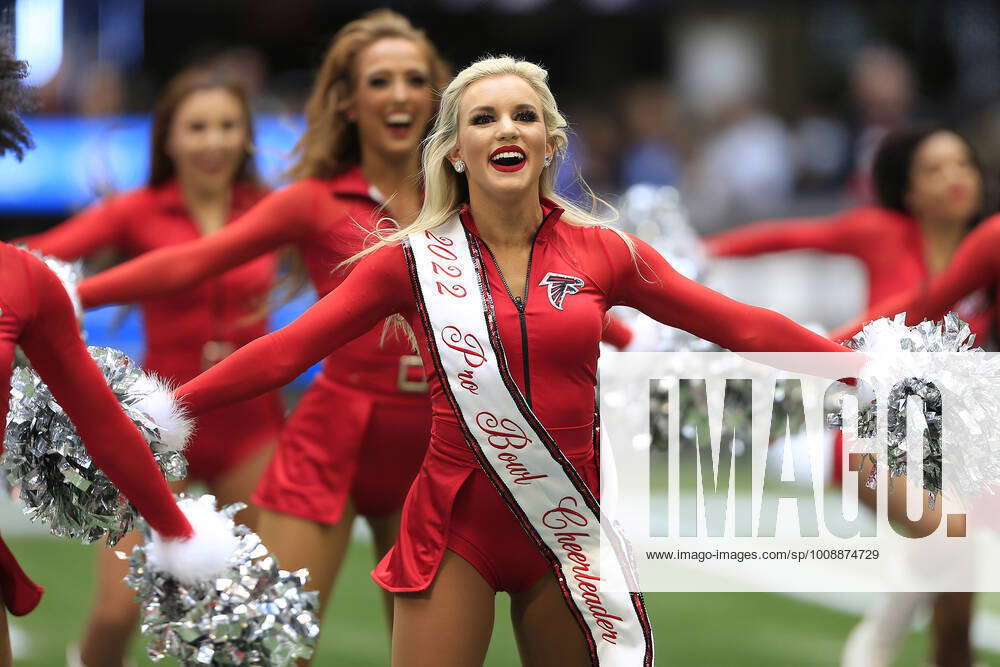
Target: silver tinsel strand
252, 614
44, 456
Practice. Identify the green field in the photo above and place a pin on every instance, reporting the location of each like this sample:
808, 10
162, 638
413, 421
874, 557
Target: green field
692, 630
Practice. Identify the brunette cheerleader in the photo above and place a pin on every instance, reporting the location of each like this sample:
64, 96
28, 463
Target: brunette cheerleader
202, 178
357, 436
928, 181
36, 314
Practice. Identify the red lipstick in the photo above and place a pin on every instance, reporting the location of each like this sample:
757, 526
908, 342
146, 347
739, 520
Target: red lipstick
508, 158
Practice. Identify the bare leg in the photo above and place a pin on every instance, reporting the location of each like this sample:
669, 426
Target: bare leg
385, 530
6, 655
546, 632
449, 624
951, 621
237, 484
298, 543
874, 640
114, 614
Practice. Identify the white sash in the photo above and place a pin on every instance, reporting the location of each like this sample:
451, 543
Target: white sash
522, 460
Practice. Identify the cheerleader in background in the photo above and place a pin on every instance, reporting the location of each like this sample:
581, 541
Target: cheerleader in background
930, 186
202, 179
549, 276
356, 438
36, 314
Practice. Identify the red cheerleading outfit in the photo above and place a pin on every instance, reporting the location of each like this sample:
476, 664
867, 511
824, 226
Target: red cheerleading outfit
887, 242
361, 429
370, 448
36, 314
973, 269
552, 355
181, 327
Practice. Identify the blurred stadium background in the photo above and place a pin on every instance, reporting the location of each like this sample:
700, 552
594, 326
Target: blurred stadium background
750, 109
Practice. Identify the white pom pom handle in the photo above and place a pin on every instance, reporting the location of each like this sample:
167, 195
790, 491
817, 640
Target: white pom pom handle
206, 554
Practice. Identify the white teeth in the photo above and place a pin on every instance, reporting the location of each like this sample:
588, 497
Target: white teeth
399, 119
508, 154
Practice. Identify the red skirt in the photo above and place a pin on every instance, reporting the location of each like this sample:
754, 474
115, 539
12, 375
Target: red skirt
224, 437
346, 442
20, 594
452, 505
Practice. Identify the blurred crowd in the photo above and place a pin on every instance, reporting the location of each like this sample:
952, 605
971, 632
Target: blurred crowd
750, 113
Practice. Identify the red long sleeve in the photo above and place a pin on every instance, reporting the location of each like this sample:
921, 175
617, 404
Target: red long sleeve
658, 290
824, 234
377, 287
51, 341
99, 226
280, 218
973, 266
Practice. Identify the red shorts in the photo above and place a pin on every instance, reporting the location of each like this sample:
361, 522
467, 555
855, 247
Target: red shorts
344, 442
452, 505
486, 533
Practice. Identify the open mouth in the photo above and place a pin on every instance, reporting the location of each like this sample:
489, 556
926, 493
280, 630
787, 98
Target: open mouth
213, 166
399, 124
508, 158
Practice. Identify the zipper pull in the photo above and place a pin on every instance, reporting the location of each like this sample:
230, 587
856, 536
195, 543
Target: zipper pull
519, 303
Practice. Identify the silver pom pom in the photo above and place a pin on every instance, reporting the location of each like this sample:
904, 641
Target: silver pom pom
251, 613
657, 215
964, 385
44, 456
69, 274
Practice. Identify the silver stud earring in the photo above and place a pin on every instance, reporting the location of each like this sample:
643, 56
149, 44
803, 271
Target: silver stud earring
459, 166
548, 160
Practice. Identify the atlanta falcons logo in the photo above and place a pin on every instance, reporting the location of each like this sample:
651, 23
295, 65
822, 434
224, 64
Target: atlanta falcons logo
560, 287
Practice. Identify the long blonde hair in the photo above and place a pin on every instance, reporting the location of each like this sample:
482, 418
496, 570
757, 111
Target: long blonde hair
445, 190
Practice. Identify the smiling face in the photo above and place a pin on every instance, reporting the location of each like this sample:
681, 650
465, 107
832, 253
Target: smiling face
392, 100
945, 185
501, 138
208, 138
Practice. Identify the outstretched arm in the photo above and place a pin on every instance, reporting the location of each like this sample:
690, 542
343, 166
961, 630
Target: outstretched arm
973, 266
823, 234
670, 298
280, 218
376, 288
56, 351
99, 226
